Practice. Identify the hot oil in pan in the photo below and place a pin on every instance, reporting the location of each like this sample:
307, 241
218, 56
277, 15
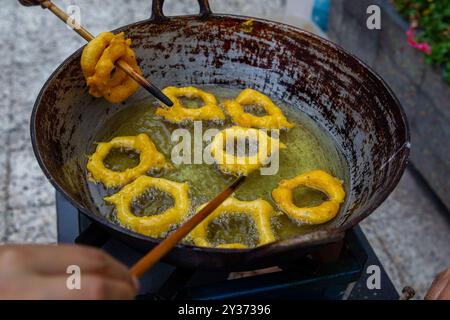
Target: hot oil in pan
308, 148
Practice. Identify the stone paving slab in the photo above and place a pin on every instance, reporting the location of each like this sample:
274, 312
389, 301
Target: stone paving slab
28, 187
411, 234
32, 225
5, 102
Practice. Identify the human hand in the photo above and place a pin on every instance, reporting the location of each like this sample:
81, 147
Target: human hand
440, 288
39, 272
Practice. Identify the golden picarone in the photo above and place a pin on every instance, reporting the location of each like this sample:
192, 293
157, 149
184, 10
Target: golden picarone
153, 225
316, 179
233, 163
274, 119
178, 113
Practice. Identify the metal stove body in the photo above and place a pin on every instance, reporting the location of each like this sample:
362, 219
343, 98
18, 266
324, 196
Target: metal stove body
342, 277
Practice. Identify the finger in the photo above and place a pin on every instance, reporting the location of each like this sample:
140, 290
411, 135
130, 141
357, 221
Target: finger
92, 287
437, 287
49, 260
445, 293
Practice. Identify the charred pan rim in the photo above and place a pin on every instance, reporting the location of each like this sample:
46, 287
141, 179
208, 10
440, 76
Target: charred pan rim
309, 239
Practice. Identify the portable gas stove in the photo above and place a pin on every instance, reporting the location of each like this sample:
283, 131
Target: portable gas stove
341, 277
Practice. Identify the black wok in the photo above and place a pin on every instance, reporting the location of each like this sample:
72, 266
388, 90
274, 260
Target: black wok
320, 79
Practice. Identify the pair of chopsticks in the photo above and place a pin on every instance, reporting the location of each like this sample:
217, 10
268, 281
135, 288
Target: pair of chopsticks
167, 244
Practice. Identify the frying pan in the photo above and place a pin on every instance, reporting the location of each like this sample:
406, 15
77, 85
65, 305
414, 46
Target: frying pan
320, 79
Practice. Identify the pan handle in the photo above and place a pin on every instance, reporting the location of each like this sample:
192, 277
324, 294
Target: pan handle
158, 15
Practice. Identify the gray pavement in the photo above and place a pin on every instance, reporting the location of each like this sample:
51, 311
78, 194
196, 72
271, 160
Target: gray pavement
409, 232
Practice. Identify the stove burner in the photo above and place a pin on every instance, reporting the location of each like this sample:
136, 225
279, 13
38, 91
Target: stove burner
336, 272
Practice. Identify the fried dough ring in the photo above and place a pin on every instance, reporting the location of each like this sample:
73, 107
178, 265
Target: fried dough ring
149, 158
316, 179
154, 225
98, 65
260, 211
240, 165
178, 113
273, 120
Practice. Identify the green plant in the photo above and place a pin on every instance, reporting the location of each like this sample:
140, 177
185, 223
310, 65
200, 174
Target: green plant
432, 20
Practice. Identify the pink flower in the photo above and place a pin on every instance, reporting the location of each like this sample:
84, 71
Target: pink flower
422, 46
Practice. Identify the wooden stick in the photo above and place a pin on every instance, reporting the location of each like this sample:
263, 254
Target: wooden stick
167, 244
147, 85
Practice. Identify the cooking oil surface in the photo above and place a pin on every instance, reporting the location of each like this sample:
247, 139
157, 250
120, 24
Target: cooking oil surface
307, 148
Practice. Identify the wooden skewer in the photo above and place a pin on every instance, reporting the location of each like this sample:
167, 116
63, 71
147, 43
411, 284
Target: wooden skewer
147, 85
167, 244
